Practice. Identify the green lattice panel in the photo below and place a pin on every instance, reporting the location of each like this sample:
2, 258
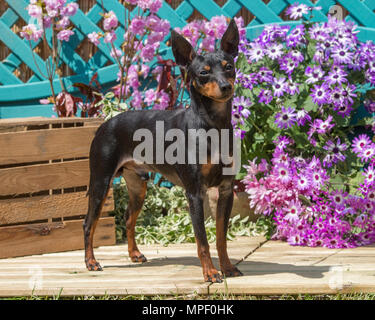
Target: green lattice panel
13, 92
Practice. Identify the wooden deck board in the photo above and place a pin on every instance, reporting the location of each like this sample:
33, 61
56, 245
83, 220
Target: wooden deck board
271, 267
278, 268
170, 270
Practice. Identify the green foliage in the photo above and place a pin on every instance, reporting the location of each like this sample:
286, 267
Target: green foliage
111, 105
165, 218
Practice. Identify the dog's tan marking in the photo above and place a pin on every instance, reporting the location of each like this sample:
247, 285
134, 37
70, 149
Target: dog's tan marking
207, 68
206, 168
224, 63
231, 81
211, 90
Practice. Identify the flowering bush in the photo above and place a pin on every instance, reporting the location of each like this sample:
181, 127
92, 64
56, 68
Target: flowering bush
297, 98
133, 55
54, 15
140, 45
203, 35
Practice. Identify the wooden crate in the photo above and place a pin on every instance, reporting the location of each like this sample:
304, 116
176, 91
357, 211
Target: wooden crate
44, 174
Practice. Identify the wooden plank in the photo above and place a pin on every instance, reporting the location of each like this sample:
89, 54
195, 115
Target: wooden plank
38, 238
277, 268
50, 144
12, 122
47, 207
40, 177
176, 270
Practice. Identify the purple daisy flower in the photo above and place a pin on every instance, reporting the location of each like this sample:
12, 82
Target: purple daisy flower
265, 96
292, 211
303, 182
367, 153
369, 174
369, 105
279, 156
288, 65
336, 97
344, 110
318, 32
296, 55
371, 194
317, 177
332, 243
360, 143
282, 141
275, 51
323, 127
334, 152
370, 75
242, 101
336, 77
349, 92
248, 80
320, 94
296, 11
314, 74
256, 52
292, 88
282, 172
296, 36
302, 117
279, 86
286, 118
316, 242
342, 55
295, 240
265, 75
319, 56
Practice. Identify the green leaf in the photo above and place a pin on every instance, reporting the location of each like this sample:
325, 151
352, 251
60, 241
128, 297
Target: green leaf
309, 105
109, 95
242, 63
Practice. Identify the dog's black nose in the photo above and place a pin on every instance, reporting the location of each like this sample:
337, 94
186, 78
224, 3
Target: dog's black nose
225, 87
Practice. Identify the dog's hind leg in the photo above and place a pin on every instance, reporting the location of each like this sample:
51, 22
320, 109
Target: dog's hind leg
103, 166
97, 195
137, 187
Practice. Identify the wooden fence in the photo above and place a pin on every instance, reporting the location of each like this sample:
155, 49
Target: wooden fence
21, 84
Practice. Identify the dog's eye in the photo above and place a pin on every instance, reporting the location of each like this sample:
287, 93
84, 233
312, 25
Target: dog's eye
204, 73
228, 67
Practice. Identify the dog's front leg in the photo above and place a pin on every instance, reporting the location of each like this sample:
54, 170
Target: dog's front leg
224, 209
195, 199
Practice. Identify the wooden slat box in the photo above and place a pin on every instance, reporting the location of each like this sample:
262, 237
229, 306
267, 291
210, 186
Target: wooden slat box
44, 175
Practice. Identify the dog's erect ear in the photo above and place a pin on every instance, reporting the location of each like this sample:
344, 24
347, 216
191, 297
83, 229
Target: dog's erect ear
183, 51
231, 39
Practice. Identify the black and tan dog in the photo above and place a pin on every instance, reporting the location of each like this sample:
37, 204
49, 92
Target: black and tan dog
211, 88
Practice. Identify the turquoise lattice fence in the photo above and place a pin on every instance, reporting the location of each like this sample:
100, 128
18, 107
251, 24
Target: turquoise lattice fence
20, 99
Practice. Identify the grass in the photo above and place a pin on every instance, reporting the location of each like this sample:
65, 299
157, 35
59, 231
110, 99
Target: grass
300, 297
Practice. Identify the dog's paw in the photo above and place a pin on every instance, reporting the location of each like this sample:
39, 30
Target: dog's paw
232, 272
213, 276
138, 258
93, 265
